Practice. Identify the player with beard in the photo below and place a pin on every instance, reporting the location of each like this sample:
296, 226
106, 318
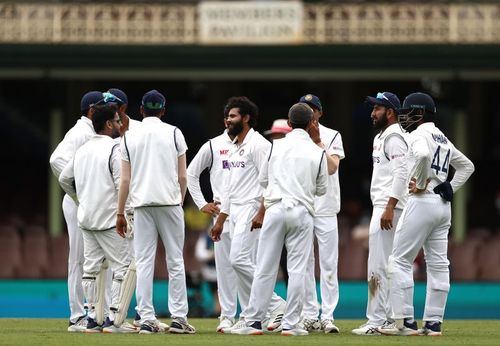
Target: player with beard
242, 202
388, 195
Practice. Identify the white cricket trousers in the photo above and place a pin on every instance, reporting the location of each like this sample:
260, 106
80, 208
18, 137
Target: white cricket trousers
379, 249
227, 288
75, 260
243, 252
168, 223
326, 232
100, 245
293, 227
424, 223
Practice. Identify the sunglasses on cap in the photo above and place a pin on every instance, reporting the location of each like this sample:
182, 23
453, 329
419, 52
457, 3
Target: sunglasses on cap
108, 97
381, 96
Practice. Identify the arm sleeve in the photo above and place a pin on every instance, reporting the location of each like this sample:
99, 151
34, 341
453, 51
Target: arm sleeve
422, 162
67, 180
115, 165
261, 153
180, 142
264, 171
201, 161
322, 177
124, 150
65, 151
463, 168
336, 147
396, 149
224, 205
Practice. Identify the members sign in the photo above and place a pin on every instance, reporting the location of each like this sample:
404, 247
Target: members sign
253, 22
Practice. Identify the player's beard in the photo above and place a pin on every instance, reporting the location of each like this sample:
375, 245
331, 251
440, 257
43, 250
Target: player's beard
115, 133
381, 123
235, 128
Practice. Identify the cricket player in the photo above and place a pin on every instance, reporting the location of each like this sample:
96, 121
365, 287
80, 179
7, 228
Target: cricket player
212, 156
426, 219
388, 194
127, 122
242, 202
294, 173
92, 180
326, 208
62, 155
153, 171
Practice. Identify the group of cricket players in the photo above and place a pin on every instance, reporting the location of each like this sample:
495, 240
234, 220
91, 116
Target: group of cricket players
126, 180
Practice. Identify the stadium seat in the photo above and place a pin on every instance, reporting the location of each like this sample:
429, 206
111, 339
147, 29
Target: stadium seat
463, 259
34, 253
10, 248
57, 258
489, 261
353, 258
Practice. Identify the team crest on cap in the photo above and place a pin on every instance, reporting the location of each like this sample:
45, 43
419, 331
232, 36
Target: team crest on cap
308, 97
242, 151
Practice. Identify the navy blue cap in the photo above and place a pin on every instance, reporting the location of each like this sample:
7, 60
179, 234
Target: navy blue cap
312, 100
120, 94
153, 100
89, 99
386, 99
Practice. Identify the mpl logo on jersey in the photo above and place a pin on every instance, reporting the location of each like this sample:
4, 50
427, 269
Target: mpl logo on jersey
232, 164
223, 152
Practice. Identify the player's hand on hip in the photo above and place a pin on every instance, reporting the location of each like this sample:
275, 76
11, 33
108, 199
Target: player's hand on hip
216, 232
121, 225
211, 208
386, 218
412, 186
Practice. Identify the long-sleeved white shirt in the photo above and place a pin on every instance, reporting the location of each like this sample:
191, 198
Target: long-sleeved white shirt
431, 154
210, 156
390, 168
295, 171
152, 150
74, 139
94, 177
329, 203
244, 163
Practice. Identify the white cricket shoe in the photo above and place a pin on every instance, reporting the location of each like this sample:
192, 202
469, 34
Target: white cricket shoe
297, 331
329, 327
431, 329
80, 326
248, 329
311, 324
276, 317
180, 325
404, 327
225, 324
125, 328
151, 327
366, 330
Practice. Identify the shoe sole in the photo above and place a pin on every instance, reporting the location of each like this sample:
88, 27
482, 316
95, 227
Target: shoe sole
367, 334
180, 331
333, 331
251, 334
71, 330
92, 331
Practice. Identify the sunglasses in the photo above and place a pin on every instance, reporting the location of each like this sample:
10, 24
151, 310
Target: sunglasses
108, 97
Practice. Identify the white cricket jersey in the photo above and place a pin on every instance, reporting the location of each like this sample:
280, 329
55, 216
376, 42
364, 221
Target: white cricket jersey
210, 156
153, 149
74, 139
329, 203
244, 163
95, 172
390, 169
432, 154
295, 171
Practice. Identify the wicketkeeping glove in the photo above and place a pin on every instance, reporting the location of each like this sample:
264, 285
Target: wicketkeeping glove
445, 191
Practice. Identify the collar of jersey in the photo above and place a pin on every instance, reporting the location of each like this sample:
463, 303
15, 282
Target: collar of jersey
247, 139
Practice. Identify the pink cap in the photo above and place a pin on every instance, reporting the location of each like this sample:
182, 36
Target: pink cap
279, 126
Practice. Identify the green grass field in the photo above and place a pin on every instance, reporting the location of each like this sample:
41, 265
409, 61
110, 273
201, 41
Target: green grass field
53, 332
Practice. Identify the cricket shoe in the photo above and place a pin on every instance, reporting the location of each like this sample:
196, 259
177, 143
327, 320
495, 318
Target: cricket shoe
244, 328
276, 317
225, 324
151, 327
125, 328
92, 326
405, 327
431, 328
311, 324
329, 327
297, 331
366, 330
79, 326
180, 325
137, 320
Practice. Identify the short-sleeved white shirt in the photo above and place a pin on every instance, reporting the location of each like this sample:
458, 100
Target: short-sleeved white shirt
153, 150
329, 203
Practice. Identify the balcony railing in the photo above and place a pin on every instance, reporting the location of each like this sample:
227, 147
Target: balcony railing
178, 24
